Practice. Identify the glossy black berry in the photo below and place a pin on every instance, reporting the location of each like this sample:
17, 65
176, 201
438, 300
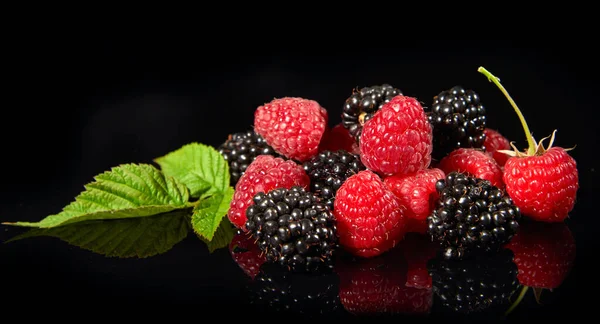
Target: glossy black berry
471, 216
329, 170
294, 228
458, 119
363, 104
240, 149
474, 285
278, 292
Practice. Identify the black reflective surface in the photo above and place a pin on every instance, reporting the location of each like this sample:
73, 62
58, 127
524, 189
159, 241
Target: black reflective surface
134, 102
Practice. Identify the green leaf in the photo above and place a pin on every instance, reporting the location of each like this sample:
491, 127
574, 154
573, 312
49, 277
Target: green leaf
200, 167
123, 238
222, 237
129, 190
209, 212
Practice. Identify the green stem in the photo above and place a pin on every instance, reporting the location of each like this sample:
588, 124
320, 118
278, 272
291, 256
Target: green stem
518, 300
496, 81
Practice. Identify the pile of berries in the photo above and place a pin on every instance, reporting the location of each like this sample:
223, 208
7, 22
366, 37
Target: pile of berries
395, 164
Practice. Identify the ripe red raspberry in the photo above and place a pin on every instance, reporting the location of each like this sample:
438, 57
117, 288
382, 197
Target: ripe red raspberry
542, 182
245, 252
339, 138
370, 218
262, 175
416, 191
292, 126
543, 186
495, 141
473, 162
397, 139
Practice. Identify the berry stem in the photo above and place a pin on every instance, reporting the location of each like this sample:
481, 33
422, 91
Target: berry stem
532, 145
518, 300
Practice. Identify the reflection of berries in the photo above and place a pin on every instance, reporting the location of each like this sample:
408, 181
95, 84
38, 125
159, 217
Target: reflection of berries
416, 191
338, 138
544, 254
328, 170
370, 218
495, 141
363, 104
474, 285
458, 120
418, 250
262, 175
471, 216
292, 126
279, 292
397, 140
240, 149
475, 163
246, 254
377, 286
293, 227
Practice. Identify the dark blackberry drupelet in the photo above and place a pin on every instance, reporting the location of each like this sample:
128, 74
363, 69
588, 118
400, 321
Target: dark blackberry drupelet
475, 285
294, 228
328, 170
277, 291
458, 119
240, 149
363, 104
471, 216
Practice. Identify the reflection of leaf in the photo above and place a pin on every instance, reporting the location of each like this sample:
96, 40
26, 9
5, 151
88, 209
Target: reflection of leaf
126, 191
222, 237
124, 238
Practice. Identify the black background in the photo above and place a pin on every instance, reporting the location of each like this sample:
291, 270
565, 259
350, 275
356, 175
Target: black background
74, 110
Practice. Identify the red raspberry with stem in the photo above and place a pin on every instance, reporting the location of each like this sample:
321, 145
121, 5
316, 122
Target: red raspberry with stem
370, 218
416, 191
339, 138
397, 139
473, 162
292, 126
542, 182
265, 173
494, 141
544, 254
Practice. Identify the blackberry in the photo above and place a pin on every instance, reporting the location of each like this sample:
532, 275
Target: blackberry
471, 216
363, 104
474, 285
328, 170
279, 292
240, 149
294, 228
458, 119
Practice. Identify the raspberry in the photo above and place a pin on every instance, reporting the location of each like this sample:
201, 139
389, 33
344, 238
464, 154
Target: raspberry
458, 120
416, 191
292, 126
363, 104
240, 149
475, 285
397, 140
370, 218
543, 186
542, 181
328, 171
246, 254
338, 138
494, 141
265, 173
473, 162
418, 250
471, 217
294, 228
